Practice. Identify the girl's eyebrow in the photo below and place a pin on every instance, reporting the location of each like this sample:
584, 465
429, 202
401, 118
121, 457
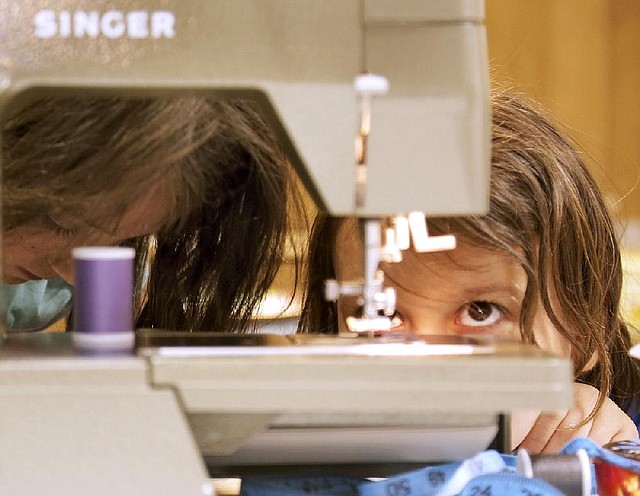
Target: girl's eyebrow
510, 289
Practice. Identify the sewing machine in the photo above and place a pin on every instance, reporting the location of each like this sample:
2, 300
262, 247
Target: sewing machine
407, 81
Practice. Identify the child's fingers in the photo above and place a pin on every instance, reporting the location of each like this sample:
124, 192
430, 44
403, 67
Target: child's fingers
521, 423
542, 431
629, 432
612, 424
567, 429
551, 431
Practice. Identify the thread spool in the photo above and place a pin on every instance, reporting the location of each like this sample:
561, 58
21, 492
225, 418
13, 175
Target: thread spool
571, 474
103, 298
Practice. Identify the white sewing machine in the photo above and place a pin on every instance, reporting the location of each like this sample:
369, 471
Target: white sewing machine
154, 421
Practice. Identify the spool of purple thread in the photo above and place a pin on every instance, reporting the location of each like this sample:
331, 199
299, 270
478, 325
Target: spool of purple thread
103, 297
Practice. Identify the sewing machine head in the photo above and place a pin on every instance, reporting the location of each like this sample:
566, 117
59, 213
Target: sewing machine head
407, 82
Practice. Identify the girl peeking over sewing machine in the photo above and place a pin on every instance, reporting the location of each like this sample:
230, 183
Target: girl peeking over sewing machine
542, 267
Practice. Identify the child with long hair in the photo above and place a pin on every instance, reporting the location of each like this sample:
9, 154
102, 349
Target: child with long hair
543, 266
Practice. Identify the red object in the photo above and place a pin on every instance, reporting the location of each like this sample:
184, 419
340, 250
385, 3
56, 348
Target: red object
613, 480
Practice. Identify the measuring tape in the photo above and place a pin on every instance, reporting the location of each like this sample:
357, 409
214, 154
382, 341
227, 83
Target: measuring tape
509, 484
486, 474
440, 480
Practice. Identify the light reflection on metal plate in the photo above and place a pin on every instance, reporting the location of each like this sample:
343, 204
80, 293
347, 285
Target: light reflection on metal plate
167, 343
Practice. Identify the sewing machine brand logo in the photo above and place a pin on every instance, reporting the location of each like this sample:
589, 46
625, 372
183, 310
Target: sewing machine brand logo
138, 24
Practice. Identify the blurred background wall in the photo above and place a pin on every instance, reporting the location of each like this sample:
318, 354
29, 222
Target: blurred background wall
581, 60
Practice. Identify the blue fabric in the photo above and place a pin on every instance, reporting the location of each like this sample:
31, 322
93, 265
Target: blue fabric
34, 305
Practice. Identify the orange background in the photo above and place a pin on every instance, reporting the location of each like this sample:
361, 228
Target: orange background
581, 59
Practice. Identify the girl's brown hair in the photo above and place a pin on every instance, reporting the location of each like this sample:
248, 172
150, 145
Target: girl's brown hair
546, 211
218, 252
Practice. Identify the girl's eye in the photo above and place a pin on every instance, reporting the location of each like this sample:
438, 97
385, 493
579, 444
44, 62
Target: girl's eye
478, 314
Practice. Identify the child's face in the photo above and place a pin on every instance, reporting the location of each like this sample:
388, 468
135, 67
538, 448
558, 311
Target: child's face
467, 291
41, 249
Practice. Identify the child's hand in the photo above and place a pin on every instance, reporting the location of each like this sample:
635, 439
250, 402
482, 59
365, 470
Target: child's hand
549, 432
